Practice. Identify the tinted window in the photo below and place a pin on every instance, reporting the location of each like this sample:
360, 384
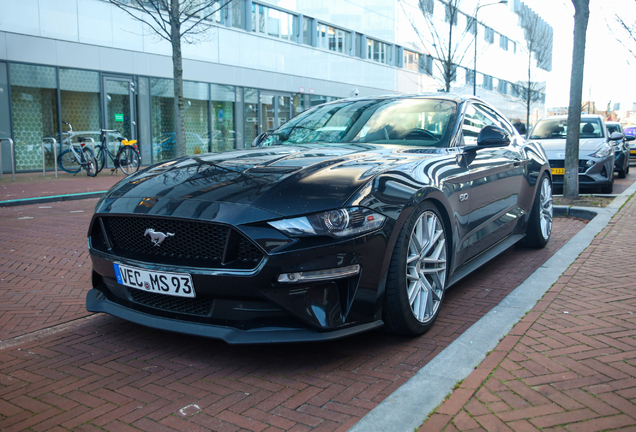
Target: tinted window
611, 128
414, 121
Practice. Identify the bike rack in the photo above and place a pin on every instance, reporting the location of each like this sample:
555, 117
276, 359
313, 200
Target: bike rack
12, 158
54, 141
92, 145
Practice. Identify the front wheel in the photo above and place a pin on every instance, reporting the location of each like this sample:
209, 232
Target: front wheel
68, 162
91, 162
129, 160
417, 274
541, 215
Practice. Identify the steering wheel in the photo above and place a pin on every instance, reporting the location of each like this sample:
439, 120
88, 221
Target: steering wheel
416, 133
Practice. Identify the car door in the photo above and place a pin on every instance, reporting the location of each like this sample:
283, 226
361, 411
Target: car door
496, 176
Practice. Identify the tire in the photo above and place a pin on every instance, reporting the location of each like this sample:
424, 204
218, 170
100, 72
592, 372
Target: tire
627, 168
413, 299
100, 156
541, 215
621, 174
91, 162
129, 160
68, 162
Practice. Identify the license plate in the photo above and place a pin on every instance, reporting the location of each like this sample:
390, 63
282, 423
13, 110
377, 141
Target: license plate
558, 171
632, 151
174, 284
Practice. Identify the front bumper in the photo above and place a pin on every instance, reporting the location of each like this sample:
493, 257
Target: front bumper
251, 306
599, 175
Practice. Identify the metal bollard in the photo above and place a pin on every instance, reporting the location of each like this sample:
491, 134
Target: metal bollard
12, 158
54, 141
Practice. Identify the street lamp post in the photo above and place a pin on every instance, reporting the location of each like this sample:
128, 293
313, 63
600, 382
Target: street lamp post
475, 43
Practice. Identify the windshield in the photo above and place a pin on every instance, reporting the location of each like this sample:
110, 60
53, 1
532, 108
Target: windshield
557, 129
413, 121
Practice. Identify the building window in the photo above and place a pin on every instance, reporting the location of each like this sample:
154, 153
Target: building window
379, 51
470, 25
238, 13
333, 39
503, 42
489, 35
34, 112
487, 82
358, 45
411, 61
451, 12
307, 30
514, 47
251, 115
502, 87
222, 132
427, 6
274, 23
426, 64
469, 77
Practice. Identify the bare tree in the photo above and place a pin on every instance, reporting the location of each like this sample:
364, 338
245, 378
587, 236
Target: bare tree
448, 43
175, 21
625, 34
538, 39
571, 177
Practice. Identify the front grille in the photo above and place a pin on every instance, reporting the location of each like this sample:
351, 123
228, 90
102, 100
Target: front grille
190, 306
183, 242
560, 163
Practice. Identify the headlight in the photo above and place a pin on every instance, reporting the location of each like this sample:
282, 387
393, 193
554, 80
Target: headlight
602, 152
333, 223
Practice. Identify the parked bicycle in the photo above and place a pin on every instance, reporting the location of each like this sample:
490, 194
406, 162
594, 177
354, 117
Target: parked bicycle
127, 157
73, 159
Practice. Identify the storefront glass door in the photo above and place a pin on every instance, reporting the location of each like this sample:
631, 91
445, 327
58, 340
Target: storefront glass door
275, 110
119, 109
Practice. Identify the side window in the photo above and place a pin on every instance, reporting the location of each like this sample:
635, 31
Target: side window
474, 120
499, 120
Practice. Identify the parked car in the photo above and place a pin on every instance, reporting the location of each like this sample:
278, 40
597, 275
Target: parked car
355, 214
630, 131
596, 152
622, 154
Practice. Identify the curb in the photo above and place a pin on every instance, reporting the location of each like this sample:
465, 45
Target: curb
406, 408
52, 198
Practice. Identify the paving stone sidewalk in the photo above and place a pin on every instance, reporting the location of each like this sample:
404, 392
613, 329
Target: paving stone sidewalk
570, 364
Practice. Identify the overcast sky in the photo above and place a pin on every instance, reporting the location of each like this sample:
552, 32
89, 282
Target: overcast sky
610, 70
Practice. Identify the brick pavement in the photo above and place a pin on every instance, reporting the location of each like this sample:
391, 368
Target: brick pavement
102, 373
570, 364
30, 185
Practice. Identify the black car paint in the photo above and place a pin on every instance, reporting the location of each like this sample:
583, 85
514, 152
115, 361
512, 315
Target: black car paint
247, 188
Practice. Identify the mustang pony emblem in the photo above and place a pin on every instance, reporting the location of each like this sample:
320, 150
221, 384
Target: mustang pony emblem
157, 237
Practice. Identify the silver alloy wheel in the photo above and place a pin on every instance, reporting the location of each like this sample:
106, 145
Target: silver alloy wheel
426, 267
545, 199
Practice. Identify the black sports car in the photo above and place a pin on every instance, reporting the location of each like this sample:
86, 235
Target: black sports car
353, 215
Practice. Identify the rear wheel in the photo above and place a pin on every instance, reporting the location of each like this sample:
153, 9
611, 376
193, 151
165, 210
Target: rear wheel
541, 215
68, 162
417, 274
100, 156
128, 160
91, 162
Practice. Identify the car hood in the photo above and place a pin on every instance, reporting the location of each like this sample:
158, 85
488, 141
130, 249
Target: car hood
275, 181
554, 147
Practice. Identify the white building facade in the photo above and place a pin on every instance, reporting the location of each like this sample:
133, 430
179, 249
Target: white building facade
259, 63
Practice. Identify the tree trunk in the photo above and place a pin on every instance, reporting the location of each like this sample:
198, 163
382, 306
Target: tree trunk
571, 177
177, 63
529, 94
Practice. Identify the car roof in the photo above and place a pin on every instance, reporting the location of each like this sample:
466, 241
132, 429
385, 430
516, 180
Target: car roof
564, 117
437, 95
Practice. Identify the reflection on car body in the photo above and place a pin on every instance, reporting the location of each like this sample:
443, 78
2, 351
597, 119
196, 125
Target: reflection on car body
354, 214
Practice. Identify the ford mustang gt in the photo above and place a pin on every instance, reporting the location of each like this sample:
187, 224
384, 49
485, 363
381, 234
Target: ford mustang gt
353, 215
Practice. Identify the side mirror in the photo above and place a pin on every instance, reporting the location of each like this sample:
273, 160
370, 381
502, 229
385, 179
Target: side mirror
616, 136
493, 136
259, 139
630, 138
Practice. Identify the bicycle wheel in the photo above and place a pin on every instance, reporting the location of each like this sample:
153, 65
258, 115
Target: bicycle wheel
129, 160
68, 162
100, 156
90, 162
